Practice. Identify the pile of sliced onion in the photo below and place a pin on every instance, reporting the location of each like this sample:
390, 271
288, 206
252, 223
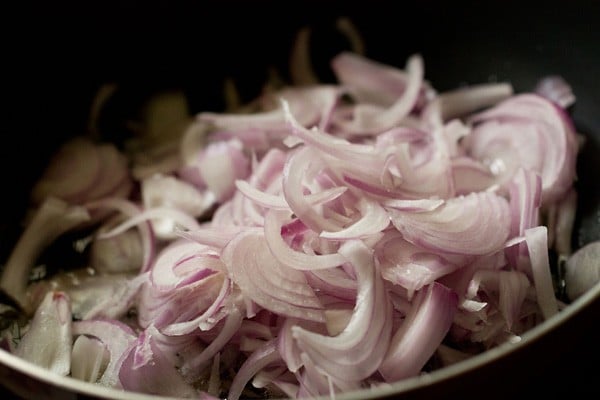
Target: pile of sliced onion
342, 236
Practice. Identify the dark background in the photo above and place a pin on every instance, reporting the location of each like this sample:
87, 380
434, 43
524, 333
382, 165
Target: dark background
56, 54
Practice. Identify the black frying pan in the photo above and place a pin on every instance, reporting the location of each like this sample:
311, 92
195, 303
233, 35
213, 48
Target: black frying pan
58, 54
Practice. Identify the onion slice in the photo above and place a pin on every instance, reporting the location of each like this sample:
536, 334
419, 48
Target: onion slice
474, 224
421, 332
53, 218
356, 352
266, 281
48, 341
274, 221
537, 244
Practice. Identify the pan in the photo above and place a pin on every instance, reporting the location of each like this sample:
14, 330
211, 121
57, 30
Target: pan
60, 54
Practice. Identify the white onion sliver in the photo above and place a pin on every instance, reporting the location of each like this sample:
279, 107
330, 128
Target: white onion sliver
48, 341
537, 244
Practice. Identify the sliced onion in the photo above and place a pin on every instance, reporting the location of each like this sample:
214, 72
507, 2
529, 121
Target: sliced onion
293, 177
373, 219
289, 257
207, 319
372, 119
421, 332
299, 277
466, 100
216, 168
174, 216
356, 352
527, 131
525, 192
229, 329
266, 281
562, 230
513, 288
410, 266
474, 224
118, 339
471, 176
129, 209
582, 270
259, 359
537, 244
372, 82
556, 89
183, 283
48, 340
145, 368
89, 359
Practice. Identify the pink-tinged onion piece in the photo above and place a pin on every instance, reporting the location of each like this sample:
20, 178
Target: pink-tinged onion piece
169, 191
372, 119
526, 131
145, 368
266, 281
371, 82
231, 326
216, 167
474, 224
421, 332
259, 359
183, 283
471, 176
296, 259
294, 182
556, 89
356, 352
409, 266
48, 340
525, 191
